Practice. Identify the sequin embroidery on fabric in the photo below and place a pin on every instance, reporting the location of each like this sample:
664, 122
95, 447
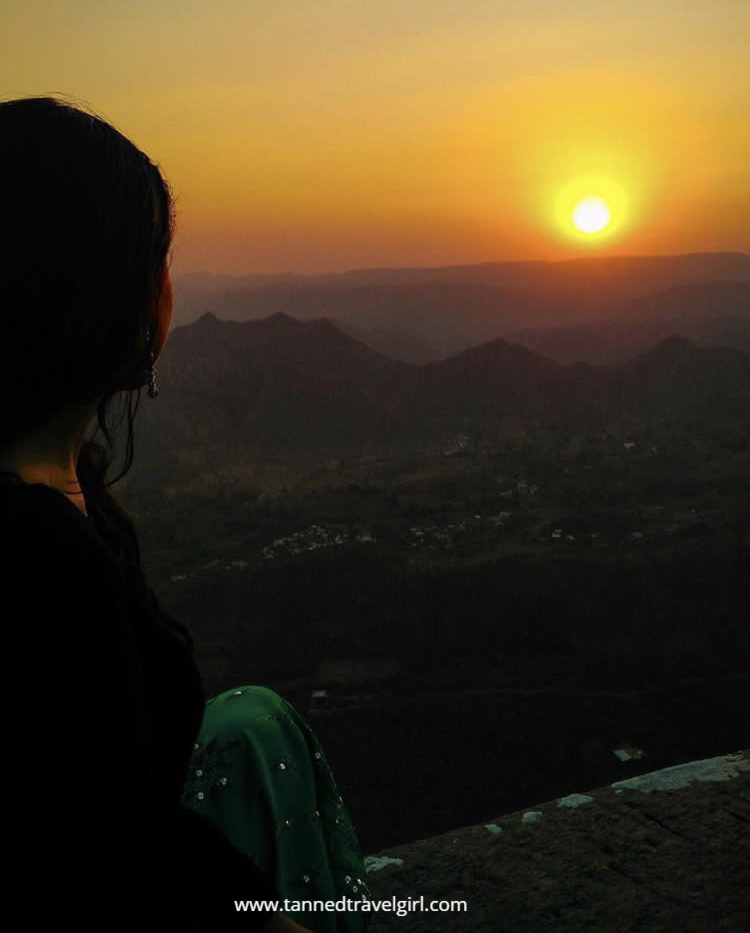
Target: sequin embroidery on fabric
258, 771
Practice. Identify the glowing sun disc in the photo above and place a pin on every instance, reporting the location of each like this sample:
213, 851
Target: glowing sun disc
591, 215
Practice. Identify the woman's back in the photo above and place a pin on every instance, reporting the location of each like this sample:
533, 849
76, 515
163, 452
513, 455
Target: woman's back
109, 704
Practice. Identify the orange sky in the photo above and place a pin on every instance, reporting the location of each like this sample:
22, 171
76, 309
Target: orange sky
329, 135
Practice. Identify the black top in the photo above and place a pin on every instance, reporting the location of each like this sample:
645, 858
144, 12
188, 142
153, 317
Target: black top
103, 704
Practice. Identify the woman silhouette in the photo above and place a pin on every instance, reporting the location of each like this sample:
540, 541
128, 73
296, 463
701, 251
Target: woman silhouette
132, 800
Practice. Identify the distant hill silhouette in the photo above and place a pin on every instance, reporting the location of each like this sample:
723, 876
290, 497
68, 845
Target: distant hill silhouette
499, 378
709, 313
441, 310
231, 389
688, 382
275, 381
446, 315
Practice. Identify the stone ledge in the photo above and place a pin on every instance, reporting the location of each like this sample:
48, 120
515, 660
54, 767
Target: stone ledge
666, 852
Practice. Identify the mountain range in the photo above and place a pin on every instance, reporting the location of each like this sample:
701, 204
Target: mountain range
599, 309
231, 391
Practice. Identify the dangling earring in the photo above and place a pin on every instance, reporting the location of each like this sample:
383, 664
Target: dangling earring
153, 390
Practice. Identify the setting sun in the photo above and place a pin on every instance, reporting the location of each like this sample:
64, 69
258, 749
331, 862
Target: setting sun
591, 215
592, 207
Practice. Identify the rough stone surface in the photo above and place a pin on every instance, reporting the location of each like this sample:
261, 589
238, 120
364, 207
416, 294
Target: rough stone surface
667, 855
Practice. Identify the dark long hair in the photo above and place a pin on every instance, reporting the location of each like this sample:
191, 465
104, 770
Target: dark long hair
89, 220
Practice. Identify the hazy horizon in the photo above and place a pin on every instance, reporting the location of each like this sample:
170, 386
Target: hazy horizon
478, 262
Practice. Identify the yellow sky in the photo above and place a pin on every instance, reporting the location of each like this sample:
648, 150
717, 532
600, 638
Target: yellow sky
328, 135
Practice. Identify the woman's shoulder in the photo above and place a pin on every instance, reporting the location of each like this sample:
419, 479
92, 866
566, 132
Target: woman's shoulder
28, 508
47, 542
51, 551
43, 534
